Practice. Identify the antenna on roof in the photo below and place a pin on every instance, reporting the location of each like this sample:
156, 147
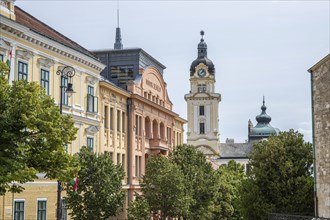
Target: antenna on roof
118, 45
118, 13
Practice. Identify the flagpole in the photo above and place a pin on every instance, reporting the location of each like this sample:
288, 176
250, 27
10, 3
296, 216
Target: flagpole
12, 63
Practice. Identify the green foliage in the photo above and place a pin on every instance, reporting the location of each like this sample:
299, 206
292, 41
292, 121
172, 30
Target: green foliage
139, 209
200, 181
281, 177
227, 199
4, 69
32, 135
163, 187
99, 194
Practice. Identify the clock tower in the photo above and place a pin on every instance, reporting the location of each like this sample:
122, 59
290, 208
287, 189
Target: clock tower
202, 104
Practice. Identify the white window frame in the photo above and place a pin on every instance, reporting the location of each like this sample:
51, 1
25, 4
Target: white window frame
37, 207
19, 200
47, 70
27, 68
92, 138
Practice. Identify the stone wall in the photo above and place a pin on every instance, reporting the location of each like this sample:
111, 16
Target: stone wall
321, 113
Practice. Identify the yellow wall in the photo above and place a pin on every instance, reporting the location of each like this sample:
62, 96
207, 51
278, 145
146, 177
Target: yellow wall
37, 55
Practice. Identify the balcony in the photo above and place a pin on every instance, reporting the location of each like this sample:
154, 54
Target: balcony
158, 145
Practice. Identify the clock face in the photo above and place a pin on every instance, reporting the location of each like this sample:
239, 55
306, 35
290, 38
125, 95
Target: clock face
201, 72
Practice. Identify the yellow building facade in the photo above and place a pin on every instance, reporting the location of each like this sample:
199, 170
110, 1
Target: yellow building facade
129, 123
37, 53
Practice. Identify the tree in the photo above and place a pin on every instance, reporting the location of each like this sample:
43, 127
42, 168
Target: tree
139, 209
200, 181
281, 177
163, 187
227, 199
4, 68
99, 194
32, 135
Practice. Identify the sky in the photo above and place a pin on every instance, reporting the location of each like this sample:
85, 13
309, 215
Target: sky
259, 48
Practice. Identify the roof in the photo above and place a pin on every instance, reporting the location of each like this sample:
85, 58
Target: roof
263, 129
41, 28
133, 49
235, 150
322, 61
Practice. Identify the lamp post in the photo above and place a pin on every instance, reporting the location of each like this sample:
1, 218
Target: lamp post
66, 72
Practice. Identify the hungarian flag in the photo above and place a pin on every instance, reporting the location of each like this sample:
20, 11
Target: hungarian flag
10, 56
75, 185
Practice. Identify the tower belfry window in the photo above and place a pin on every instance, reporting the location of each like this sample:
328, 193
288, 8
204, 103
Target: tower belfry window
201, 110
201, 87
202, 128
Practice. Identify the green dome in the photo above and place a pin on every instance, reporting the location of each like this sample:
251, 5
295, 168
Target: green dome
263, 128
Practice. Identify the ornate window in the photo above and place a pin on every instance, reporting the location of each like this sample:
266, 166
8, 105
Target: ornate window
22, 71
92, 101
65, 97
44, 80
118, 120
106, 117
90, 143
202, 128
201, 110
201, 87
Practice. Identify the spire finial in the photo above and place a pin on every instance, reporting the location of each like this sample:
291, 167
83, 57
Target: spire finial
118, 45
202, 33
118, 13
263, 100
202, 46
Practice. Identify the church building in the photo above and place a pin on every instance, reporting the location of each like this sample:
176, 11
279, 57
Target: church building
203, 104
203, 116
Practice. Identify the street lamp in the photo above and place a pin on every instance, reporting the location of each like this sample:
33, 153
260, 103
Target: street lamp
66, 72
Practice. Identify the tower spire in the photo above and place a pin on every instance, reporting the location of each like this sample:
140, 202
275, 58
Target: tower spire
263, 100
202, 46
118, 44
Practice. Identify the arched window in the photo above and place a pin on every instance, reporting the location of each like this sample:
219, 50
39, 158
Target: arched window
155, 129
162, 131
147, 127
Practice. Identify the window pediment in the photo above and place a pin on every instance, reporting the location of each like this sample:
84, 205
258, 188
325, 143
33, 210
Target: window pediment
24, 54
91, 130
46, 62
91, 80
4, 46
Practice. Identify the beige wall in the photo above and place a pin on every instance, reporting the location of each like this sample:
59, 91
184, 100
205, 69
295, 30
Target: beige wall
154, 127
200, 96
